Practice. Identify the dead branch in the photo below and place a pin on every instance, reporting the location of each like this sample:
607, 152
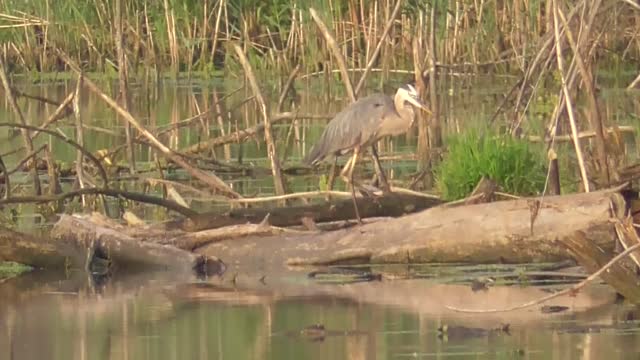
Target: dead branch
143, 198
210, 179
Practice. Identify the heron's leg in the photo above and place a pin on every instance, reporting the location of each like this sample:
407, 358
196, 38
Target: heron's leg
332, 174
354, 160
344, 174
382, 178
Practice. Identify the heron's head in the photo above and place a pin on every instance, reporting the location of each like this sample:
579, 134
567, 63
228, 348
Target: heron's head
409, 94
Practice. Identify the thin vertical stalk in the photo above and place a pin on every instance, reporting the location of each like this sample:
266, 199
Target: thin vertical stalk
567, 96
435, 130
221, 5
376, 52
171, 36
28, 143
79, 137
423, 126
596, 118
123, 86
337, 54
268, 134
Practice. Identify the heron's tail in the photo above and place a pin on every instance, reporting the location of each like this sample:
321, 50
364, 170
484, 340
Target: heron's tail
317, 153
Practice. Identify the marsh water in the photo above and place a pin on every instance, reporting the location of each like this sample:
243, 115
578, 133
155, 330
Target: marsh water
288, 315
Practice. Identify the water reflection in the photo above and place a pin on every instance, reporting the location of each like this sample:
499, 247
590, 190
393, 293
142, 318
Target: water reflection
149, 317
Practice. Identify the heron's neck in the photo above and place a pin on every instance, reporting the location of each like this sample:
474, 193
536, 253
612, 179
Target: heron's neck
406, 113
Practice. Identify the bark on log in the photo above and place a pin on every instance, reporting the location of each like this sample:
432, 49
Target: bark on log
502, 231
392, 205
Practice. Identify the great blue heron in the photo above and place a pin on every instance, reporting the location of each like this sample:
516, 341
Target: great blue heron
361, 125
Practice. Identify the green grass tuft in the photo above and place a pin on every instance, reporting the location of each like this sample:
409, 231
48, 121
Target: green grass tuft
10, 269
513, 164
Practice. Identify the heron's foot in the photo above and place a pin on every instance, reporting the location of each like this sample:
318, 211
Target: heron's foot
370, 190
382, 184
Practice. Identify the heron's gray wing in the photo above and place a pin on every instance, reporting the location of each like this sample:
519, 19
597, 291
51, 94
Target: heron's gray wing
356, 125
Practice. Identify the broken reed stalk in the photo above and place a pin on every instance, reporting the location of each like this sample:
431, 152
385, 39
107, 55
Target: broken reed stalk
435, 130
7, 183
423, 126
208, 178
286, 87
79, 136
52, 173
221, 4
268, 134
376, 52
122, 82
28, 143
587, 78
335, 50
567, 97
63, 138
61, 111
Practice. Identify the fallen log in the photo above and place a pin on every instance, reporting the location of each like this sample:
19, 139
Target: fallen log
79, 244
392, 205
524, 230
123, 252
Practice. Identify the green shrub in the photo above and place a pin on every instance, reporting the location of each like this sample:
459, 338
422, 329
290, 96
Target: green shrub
513, 164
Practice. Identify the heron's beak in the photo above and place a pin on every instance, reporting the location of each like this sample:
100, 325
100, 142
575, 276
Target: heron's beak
419, 104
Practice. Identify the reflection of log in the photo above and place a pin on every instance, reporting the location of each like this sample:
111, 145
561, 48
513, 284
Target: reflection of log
78, 243
495, 232
391, 205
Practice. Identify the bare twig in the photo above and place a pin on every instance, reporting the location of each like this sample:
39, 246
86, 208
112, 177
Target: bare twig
308, 194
